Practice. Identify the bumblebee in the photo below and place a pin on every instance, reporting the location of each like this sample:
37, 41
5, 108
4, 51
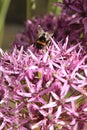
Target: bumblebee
43, 38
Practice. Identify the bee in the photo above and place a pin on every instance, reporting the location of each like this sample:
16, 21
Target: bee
43, 38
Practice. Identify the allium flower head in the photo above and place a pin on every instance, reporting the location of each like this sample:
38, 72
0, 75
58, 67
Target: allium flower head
44, 89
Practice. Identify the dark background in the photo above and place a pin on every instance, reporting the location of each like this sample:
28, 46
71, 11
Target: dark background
16, 12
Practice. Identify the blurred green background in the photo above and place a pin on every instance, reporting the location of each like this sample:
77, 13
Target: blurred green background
13, 14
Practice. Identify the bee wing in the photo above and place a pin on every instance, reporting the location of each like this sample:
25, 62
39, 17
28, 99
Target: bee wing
48, 35
40, 30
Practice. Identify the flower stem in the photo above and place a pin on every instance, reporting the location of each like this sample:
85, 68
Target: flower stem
3, 11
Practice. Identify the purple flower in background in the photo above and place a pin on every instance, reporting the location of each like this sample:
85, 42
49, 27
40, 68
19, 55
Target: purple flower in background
77, 10
60, 27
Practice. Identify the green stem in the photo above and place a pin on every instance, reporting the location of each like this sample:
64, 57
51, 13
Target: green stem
3, 12
28, 9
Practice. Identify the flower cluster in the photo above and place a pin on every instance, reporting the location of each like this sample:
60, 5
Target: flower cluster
76, 12
47, 88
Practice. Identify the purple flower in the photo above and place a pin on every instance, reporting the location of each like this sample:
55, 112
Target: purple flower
60, 27
45, 88
76, 11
